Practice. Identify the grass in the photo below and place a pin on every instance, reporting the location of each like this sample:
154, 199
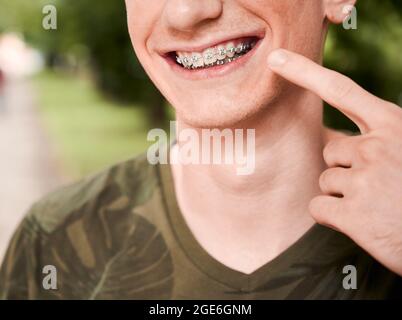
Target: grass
89, 132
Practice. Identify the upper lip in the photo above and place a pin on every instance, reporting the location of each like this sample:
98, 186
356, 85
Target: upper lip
209, 43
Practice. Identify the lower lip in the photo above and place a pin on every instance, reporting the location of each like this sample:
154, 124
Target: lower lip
215, 71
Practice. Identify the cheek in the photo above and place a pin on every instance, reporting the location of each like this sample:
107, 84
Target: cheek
141, 21
297, 25
306, 31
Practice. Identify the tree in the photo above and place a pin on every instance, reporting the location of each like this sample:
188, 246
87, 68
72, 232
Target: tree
370, 55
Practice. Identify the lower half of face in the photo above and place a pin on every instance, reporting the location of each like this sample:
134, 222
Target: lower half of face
209, 58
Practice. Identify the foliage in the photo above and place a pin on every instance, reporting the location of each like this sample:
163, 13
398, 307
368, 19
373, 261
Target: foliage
91, 133
370, 55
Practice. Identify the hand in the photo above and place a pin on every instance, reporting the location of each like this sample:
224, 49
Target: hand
362, 189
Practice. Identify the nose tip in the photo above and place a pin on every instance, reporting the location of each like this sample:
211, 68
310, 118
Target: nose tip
184, 15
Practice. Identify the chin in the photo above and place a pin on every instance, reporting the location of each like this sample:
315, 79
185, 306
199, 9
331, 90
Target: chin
232, 111
222, 120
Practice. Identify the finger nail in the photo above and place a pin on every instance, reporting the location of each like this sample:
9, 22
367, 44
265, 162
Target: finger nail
277, 58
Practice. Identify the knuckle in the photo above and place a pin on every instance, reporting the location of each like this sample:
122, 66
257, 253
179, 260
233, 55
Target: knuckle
395, 112
393, 129
316, 208
360, 181
370, 149
329, 150
332, 151
325, 212
339, 86
323, 180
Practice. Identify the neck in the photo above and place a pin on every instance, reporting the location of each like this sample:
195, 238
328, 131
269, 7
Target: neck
288, 162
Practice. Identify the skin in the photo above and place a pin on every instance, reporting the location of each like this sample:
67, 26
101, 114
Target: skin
239, 215
365, 169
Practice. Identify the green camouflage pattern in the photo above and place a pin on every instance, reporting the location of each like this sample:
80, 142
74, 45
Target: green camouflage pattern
119, 235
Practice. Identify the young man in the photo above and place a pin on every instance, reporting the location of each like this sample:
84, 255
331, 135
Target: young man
138, 231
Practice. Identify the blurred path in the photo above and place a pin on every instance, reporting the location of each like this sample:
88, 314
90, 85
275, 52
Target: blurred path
27, 170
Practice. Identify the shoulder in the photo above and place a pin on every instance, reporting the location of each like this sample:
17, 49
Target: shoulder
127, 183
91, 232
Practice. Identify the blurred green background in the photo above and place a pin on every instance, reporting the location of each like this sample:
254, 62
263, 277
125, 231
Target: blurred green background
98, 104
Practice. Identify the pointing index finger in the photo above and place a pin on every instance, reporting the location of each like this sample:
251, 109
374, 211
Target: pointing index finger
338, 90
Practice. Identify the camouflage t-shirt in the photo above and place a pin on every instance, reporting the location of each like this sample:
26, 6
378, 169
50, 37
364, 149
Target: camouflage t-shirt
120, 235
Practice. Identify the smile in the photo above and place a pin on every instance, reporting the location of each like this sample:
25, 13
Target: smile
222, 54
214, 59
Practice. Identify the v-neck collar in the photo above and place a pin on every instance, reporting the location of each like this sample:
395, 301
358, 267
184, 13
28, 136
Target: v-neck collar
319, 244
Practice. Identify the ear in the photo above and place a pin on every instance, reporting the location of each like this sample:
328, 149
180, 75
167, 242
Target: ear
337, 11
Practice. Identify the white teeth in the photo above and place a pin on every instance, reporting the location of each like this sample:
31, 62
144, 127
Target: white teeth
209, 56
187, 61
180, 56
198, 61
230, 49
219, 55
182, 59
